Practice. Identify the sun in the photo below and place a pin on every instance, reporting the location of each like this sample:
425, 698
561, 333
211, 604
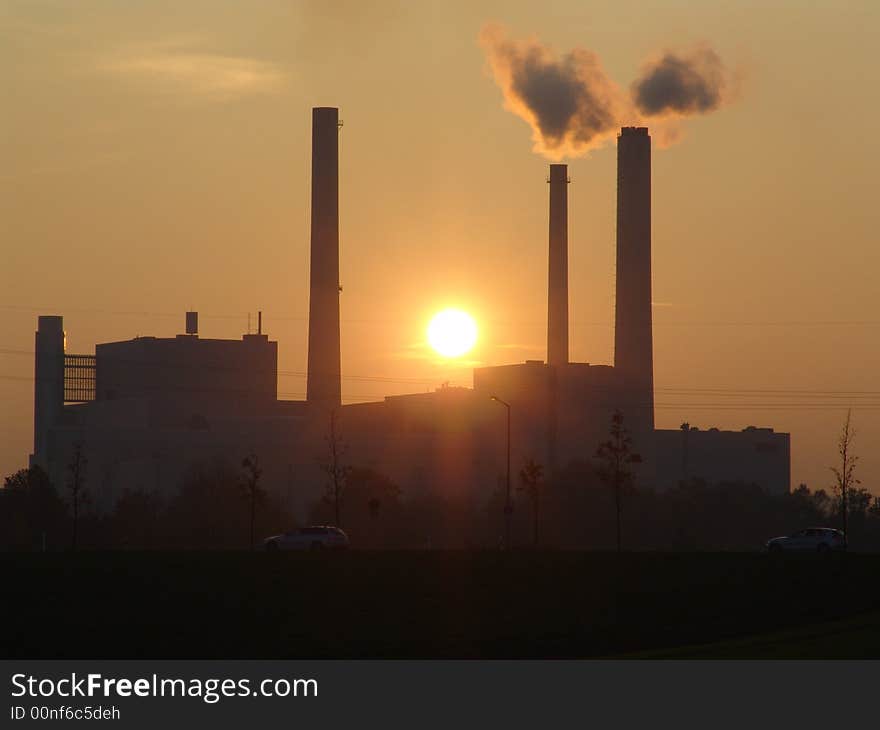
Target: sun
452, 332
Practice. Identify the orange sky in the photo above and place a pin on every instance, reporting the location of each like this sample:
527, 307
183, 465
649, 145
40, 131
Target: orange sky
156, 159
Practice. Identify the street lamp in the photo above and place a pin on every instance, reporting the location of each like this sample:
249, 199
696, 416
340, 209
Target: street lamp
508, 507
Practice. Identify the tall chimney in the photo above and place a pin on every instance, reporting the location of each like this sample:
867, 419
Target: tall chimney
633, 339
557, 285
323, 387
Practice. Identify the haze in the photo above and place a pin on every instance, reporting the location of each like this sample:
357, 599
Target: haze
156, 159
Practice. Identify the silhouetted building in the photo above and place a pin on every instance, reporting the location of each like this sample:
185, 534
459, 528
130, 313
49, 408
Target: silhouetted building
449, 442
752, 456
560, 413
189, 376
147, 409
563, 410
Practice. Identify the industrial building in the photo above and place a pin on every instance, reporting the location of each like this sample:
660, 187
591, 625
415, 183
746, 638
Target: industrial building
565, 408
752, 456
147, 409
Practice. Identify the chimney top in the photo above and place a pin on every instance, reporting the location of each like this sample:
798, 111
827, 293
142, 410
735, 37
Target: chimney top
633, 131
558, 173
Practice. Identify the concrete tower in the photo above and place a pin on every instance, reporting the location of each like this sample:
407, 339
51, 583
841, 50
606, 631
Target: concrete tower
557, 285
633, 339
323, 387
48, 384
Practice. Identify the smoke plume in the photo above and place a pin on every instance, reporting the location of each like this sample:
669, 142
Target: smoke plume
569, 101
681, 84
573, 106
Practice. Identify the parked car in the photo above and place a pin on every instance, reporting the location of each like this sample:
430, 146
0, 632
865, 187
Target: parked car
811, 540
308, 538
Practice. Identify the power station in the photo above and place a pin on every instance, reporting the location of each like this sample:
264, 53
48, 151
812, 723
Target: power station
145, 410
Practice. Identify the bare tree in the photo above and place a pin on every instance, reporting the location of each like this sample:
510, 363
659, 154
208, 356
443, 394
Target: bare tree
75, 481
335, 468
251, 484
532, 482
616, 460
844, 473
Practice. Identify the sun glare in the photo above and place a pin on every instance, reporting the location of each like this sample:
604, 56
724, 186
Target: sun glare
452, 332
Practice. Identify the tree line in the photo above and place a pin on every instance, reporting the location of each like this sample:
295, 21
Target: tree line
591, 504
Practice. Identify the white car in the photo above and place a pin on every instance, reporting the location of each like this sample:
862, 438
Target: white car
811, 540
308, 538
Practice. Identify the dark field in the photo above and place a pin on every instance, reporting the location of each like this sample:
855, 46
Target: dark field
436, 605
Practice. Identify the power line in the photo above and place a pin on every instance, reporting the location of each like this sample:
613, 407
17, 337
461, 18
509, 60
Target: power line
522, 323
671, 390
702, 406
707, 398
660, 404
241, 369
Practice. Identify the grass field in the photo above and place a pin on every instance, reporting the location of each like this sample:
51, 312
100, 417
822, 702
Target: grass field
437, 605
852, 638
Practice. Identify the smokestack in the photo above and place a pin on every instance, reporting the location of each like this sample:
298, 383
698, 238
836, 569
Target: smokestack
633, 339
323, 386
557, 285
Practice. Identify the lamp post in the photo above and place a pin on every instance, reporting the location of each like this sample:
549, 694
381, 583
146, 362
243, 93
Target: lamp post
508, 507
